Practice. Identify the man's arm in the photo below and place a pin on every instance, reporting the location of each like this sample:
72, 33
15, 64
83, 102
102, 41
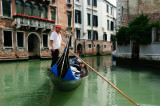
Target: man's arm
63, 43
51, 43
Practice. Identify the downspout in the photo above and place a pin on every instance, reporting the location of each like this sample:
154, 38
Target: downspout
92, 28
128, 14
57, 12
74, 27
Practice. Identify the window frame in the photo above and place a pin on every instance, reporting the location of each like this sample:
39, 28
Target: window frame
22, 7
23, 39
90, 34
2, 9
78, 16
69, 12
34, 10
44, 34
52, 9
79, 33
89, 17
3, 38
42, 12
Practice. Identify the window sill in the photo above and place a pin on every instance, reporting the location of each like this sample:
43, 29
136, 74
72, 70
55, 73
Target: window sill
156, 42
70, 47
45, 48
4, 17
69, 27
20, 47
69, 4
8, 47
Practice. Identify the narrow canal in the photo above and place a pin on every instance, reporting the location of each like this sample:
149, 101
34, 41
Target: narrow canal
27, 84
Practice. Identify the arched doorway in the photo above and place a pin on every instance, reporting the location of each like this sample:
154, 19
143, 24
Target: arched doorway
33, 46
79, 48
98, 50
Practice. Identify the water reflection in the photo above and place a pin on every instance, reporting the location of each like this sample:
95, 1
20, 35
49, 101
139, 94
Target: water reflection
26, 83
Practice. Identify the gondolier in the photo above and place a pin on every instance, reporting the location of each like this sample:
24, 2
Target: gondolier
55, 42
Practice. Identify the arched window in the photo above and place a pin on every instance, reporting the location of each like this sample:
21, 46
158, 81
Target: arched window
36, 10
28, 9
19, 7
44, 12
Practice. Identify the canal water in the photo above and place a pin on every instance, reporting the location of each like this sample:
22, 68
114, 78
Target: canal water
27, 84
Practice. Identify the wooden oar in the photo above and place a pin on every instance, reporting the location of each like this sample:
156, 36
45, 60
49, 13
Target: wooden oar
104, 79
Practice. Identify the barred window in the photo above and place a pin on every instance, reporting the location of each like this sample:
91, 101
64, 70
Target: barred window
28, 9
6, 6
36, 11
19, 7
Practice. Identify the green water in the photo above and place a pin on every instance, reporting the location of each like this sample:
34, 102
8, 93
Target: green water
27, 84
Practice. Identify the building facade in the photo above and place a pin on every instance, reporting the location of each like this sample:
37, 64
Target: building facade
26, 25
94, 25
128, 10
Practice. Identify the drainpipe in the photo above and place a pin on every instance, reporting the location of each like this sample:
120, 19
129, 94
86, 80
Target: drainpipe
92, 28
128, 14
57, 12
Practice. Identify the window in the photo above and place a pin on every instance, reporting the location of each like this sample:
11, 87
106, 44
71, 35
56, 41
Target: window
7, 38
111, 10
89, 35
89, 45
53, 13
104, 37
36, 10
20, 39
77, 0
44, 12
112, 25
95, 35
69, 15
70, 41
53, 1
88, 2
19, 7
89, 18
122, 13
28, 9
157, 35
107, 8
104, 46
78, 33
107, 24
6, 6
95, 3
45, 40
69, 1
95, 20
77, 16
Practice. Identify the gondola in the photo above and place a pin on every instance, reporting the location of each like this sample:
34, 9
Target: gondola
61, 74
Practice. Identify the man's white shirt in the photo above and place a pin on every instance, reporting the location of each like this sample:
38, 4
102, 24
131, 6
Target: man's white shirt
56, 40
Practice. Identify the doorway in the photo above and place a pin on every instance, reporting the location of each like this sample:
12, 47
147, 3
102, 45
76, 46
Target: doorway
33, 46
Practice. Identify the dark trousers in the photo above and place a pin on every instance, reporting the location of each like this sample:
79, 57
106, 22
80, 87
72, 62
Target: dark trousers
55, 55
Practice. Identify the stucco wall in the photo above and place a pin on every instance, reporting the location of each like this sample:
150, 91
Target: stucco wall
124, 51
151, 51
